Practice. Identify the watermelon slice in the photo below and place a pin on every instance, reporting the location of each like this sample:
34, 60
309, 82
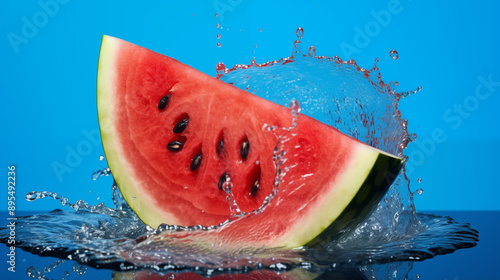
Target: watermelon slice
173, 135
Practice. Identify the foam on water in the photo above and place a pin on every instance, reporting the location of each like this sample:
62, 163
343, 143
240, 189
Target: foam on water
339, 93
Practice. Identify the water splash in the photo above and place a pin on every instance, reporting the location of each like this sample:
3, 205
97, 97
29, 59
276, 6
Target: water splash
299, 32
410, 92
351, 98
311, 51
100, 173
234, 209
100, 208
394, 54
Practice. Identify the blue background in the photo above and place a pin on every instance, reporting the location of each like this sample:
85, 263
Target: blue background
48, 64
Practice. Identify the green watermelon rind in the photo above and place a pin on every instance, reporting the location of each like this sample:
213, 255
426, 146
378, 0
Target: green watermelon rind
385, 170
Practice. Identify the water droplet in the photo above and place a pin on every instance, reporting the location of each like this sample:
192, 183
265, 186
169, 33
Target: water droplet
79, 269
394, 54
100, 173
296, 46
34, 273
419, 180
216, 14
31, 196
299, 32
218, 36
255, 45
218, 45
419, 191
220, 67
312, 51
218, 25
260, 29
294, 106
101, 157
227, 186
410, 92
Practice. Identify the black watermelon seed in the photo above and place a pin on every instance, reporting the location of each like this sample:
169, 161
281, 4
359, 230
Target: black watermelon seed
222, 180
175, 146
220, 145
180, 126
245, 146
195, 162
163, 102
255, 187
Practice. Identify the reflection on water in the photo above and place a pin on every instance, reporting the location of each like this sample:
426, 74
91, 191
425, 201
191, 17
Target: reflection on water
113, 242
339, 93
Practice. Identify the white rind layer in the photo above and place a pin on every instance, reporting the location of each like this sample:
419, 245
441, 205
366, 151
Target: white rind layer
123, 173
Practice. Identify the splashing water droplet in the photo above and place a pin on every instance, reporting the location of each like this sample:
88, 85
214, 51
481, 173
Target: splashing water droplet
299, 32
410, 92
218, 36
217, 25
255, 45
80, 269
34, 273
101, 158
296, 47
220, 68
219, 45
227, 186
419, 180
394, 54
312, 51
294, 107
100, 173
216, 15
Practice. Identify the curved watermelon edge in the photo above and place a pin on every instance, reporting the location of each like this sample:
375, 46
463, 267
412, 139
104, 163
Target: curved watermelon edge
105, 117
350, 200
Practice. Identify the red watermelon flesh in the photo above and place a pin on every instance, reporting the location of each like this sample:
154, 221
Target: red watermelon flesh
172, 134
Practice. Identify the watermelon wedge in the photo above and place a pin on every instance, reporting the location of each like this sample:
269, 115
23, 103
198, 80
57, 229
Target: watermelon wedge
173, 135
